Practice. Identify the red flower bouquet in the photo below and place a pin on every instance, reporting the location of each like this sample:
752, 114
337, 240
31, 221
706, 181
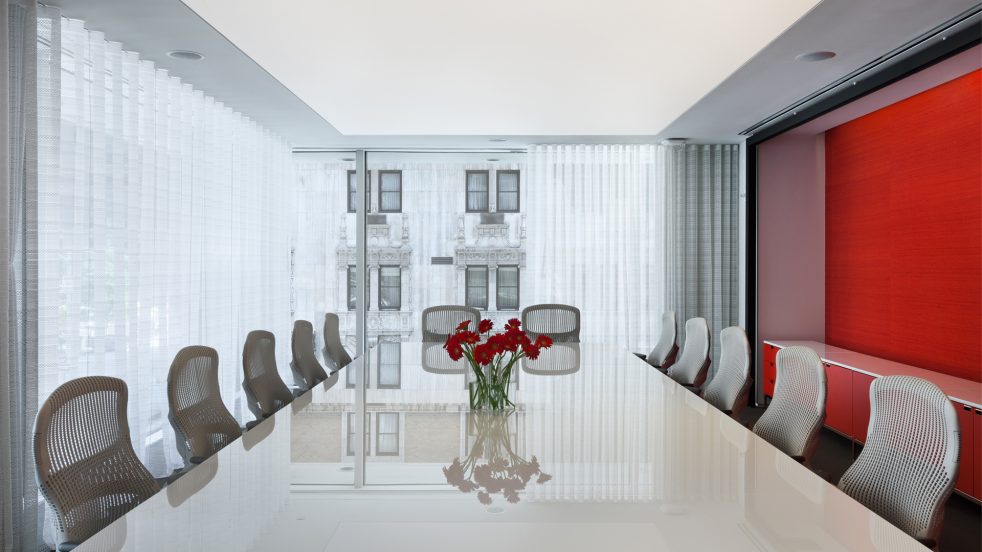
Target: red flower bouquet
493, 359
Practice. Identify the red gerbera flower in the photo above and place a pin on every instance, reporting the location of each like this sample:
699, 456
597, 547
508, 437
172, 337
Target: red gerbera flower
463, 325
543, 341
485, 326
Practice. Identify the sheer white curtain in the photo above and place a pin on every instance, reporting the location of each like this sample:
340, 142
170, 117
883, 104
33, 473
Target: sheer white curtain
18, 331
165, 219
596, 237
625, 232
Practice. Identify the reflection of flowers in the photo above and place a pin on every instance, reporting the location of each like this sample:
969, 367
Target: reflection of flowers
492, 467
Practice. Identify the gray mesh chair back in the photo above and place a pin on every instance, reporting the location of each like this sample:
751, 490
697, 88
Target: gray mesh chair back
86, 468
560, 322
202, 423
265, 390
307, 371
794, 417
334, 352
558, 360
664, 352
693, 362
730, 387
908, 467
441, 321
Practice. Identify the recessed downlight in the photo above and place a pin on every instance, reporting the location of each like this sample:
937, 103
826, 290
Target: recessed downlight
347, 158
493, 159
815, 56
186, 55
497, 140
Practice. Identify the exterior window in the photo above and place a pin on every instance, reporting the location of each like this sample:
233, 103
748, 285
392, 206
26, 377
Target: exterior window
351, 433
349, 382
477, 287
477, 191
387, 434
390, 288
353, 191
390, 191
507, 298
389, 365
353, 288
508, 186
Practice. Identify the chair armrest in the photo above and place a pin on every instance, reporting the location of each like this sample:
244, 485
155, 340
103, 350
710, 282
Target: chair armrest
252, 424
67, 546
198, 459
641, 356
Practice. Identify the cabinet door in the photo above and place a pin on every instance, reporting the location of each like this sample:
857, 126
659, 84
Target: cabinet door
976, 463
838, 399
860, 405
770, 369
966, 451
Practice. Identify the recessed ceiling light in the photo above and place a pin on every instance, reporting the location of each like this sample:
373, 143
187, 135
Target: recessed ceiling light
493, 159
347, 158
497, 140
815, 56
186, 55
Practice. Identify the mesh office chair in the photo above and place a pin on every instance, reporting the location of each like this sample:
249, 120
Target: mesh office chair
202, 423
907, 469
663, 354
334, 353
794, 417
693, 362
307, 371
264, 388
730, 387
441, 321
560, 322
87, 470
559, 360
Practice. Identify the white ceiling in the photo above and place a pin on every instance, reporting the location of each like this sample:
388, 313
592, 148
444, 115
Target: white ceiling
511, 67
446, 74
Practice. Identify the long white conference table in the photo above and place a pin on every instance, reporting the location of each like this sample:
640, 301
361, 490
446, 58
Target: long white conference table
602, 452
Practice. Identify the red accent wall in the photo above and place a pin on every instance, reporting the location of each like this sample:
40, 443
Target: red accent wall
903, 233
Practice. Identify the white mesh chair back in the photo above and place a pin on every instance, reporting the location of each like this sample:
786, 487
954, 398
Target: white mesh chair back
666, 348
202, 423
434, 359
307, 370
794, 417
730, 387
558, 360
263, 385
441, 321
693, 362
907, 469
560, 322
334, 352
86, 468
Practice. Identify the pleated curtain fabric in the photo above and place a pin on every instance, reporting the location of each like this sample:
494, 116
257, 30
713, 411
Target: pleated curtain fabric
18, 332
625, 232
702, 236
596, 237
166, 219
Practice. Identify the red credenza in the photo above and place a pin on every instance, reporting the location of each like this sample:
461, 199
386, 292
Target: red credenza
847, 412
966, 457
860, 405
770, 369
838, 399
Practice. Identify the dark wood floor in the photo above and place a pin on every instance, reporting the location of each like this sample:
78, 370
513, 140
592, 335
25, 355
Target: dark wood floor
963, 517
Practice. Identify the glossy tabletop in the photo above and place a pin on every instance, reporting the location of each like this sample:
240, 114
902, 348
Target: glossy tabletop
602, 452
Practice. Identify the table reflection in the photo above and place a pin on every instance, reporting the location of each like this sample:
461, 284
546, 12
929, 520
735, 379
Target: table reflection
560, 359
492, 466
